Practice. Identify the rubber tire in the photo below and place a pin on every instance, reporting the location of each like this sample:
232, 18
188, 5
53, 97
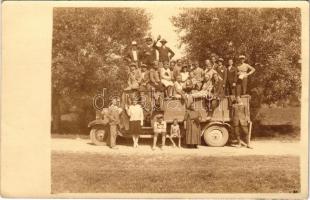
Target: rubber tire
95, 140
216, 129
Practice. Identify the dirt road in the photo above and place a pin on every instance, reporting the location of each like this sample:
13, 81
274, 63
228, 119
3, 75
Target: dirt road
260, 148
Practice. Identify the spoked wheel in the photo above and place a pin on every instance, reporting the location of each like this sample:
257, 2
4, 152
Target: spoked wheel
216, 136
98, 136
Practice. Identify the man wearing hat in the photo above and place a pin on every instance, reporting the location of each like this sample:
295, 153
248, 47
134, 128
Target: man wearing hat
222, 71
133, 55
165, 53
160, 127
149, 51
244, 70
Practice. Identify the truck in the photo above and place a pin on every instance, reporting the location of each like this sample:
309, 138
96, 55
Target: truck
216, 127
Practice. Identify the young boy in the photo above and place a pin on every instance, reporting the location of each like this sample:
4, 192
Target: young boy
175, 133
160, 127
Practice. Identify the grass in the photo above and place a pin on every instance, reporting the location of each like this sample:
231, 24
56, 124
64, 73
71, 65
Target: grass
82, 173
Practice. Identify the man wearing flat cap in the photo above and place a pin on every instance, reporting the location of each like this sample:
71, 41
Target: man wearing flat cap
244, 70
133, 54
165, 53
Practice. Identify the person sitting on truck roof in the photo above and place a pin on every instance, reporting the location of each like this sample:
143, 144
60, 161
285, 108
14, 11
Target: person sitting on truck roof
206, 88
155, 78
145, 78
166, 79
209, 68
184, 73
197, 75
178, 88
159, 127
134, 77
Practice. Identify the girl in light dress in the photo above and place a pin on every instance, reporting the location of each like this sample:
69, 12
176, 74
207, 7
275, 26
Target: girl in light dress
175, 133
166, 79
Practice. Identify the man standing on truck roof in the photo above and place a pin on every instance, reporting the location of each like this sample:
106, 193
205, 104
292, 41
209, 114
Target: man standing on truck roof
114, 120
240, 120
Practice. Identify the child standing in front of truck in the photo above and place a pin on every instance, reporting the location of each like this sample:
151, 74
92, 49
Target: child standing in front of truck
175, 133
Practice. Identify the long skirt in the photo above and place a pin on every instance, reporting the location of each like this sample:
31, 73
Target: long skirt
135, 127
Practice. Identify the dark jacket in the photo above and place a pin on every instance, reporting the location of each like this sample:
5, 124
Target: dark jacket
129, 56
165, 53
222, 71
148, 54
232, 75
239, 115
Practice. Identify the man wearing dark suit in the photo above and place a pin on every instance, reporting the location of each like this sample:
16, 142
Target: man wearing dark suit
231, 78
148, 54
134, 54
222, 71
240, 120
165, 53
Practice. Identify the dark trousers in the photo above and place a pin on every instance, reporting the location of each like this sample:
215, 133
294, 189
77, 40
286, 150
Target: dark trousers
112, 135
242, 85
230, 90
245, 131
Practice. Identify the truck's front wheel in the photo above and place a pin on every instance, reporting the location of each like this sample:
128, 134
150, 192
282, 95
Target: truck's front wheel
98, 135
216, 135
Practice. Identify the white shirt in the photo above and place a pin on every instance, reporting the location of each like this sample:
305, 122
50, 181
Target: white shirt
135, 55
135, 113
160, 127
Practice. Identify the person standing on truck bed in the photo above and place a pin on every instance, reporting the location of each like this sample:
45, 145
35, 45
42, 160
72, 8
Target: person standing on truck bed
136, 118
240, 120
165, 53
148, 51
192, 125
222, 71
244, 70
114, 121
231, 78
134, 54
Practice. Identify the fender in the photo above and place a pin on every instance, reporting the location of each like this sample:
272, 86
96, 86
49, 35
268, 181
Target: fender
216, 123
102, 122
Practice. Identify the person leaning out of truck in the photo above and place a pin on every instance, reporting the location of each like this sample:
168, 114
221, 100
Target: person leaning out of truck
240, 121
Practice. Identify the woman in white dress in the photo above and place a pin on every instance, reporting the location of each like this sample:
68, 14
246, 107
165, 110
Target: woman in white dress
135, 113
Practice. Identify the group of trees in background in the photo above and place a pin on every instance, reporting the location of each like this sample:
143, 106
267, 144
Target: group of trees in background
89, 44
270, 38
87, 49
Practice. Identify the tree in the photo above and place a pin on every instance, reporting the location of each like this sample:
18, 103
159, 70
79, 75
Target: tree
87, 54
269, 37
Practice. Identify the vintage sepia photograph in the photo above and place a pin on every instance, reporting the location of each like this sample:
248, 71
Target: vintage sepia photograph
176, 99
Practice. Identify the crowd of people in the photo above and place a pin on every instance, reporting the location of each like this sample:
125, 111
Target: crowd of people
152, 68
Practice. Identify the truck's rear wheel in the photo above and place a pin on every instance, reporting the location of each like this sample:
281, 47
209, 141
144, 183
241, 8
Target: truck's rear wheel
98, 136
216, 135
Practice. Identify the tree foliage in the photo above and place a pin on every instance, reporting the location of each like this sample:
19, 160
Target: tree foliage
87, 52
269, 37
